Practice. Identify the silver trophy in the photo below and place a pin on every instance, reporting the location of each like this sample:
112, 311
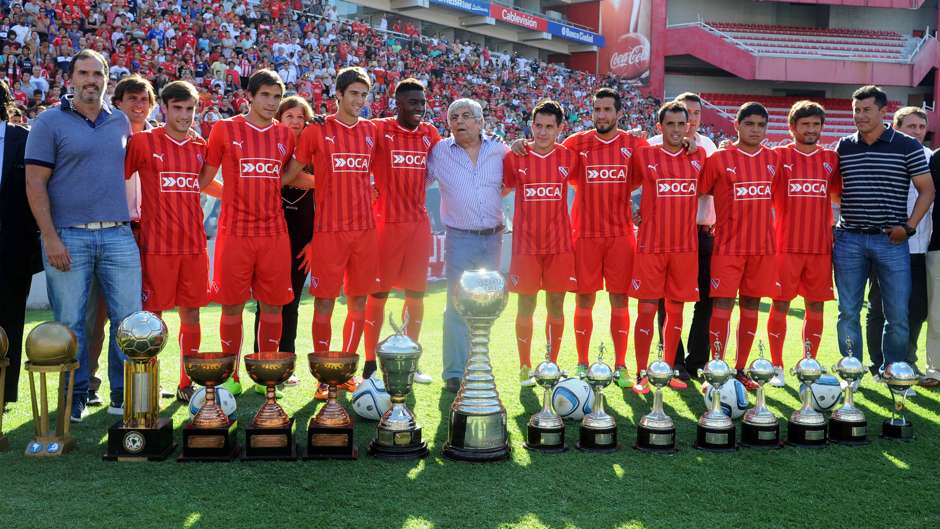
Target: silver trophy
899, 376
656, 431
715, 429
760, 427
807, 427
848, 424
598, 429
477, 430
398, 436
546, 431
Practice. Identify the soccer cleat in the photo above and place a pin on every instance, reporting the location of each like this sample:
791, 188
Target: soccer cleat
263, 390
621, 378
676, 383
642, 386
747, 382
778, 380
350, 385
292, 381
185, 394
526, 379
421, 378
323, 392
233, 386
79, 412
368, 368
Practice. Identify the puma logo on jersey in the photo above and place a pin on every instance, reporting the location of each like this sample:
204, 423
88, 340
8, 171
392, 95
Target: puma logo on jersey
788, 167
644, 331
178, 182
260, 168
674, 187
541, 192
584, 153
390, 138
606, 174
409, 160
350, 163
808, 188
158, 157
731, 170
524, 170
238, 144
652, 166
330, 139
752, 191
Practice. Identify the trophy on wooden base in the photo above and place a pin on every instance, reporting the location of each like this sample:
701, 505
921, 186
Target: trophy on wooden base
598, 429
330, 432
210, 435
760, 428
656, 431
807, 427
546, 429
51, 348
848, 424
270, 434
715, 431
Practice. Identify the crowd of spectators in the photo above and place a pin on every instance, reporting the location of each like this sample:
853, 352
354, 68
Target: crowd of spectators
217, 45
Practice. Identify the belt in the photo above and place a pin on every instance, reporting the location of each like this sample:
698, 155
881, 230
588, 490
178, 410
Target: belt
99, 225
867, 231
487, 231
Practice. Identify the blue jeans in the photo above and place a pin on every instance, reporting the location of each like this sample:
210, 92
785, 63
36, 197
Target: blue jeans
463, 251
112, 256
854, 256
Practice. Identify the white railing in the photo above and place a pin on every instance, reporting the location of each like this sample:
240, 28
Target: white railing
711, 29
920, 44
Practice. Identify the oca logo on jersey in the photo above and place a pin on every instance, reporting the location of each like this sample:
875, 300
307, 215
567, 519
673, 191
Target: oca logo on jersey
675, 188
542, 192
752, 191
409, 160
606, 174
350, 163
260, 168
808, 188
175, 182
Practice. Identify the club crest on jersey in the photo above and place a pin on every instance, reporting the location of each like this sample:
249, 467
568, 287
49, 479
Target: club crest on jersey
200, 158
772, 170
675, 187
563, 171
426, 141
178, 182
158, 156
350, 163
808, 188
828, 167
696, 165
626, 152
715, 283
752, 191
409, 160
606, 174
547, 192
635, 284
314, 281
282, 150
515, 279
369, 141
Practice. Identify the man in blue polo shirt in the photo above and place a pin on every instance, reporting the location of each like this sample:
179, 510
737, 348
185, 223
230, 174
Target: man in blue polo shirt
878, 165
75, 185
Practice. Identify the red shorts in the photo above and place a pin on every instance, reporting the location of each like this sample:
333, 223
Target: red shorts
549, 272
346, 260
404, 252
252, 267
673, 276
806, 274
753, 276
601, 261
174, 281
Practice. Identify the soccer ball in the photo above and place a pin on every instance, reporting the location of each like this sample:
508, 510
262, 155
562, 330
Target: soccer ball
141, 335
572, 398
733, 398
826, 393
370, 400
223, 396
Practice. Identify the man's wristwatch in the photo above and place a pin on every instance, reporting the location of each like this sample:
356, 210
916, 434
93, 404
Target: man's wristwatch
910, 231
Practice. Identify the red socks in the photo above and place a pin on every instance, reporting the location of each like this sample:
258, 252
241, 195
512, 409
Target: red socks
269, 331
812, 329
374, 317
321, 330
583, 327
352, 330
747, 328
230, 333
554, 330
718, 330
620, 332
643, 334
672, 331
412, 314
189, 338
776, 334
524, 339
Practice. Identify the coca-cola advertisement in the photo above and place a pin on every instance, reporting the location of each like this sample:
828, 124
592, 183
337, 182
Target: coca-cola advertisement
625, 25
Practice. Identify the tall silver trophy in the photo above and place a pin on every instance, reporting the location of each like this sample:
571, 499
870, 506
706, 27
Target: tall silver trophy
848, 424
398, 436
656, 432
477, 430
760, 427
715, 431
899, 376
807, 427
598, 429
546, 429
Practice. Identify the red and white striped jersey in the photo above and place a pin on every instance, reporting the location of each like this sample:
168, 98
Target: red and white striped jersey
801, 201
400, 170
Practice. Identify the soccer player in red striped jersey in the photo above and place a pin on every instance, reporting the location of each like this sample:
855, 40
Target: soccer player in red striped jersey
402, 226
542, 253
341, 150
666, 262
742, 177
803, 218
252, 251
172, 241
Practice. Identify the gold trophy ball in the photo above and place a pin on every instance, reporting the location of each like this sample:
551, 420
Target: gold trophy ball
4, 343
51, 343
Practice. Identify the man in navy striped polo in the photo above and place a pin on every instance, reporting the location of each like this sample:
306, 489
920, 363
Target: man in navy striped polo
878, 165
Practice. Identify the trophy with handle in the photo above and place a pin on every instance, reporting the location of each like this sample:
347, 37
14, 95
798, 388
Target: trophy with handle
598, 429
848, 424
330, 432
899, 376
807, 427
546, 431
210, 435
715, 430
656, 431
760, 428
270, 434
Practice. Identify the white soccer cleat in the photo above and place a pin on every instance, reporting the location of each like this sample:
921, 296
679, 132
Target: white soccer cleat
422, 378
778, 380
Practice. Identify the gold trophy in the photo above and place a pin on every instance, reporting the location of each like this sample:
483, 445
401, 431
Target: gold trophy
142, 434
210, 435
4, 363
270, 434
330, 433
51, 348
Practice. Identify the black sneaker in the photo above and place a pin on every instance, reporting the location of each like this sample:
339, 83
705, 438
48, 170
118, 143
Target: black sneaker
94, 399
368, 369
79, 412
452, 385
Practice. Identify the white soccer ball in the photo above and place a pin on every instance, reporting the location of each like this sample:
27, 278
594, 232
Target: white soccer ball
370, 400
733, 398
827, 393
572, 398
223, 396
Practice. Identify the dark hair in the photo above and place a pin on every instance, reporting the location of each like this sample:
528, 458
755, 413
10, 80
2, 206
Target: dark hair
293, 102
6, 101
806, 109
88, 53
865, 92
609, 92
133, 84
179, 91
689, 96
749, 109
408, 85
672, 106
550, 108
350, 75
264, 77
